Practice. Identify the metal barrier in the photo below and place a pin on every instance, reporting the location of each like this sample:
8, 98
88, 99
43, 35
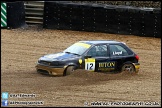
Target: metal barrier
34, 12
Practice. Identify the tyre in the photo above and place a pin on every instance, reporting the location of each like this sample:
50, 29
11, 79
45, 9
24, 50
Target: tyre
128, 67
69, 70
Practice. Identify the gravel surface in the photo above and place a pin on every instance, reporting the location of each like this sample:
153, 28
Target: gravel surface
21, 48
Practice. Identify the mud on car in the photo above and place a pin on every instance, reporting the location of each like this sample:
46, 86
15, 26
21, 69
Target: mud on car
95, 56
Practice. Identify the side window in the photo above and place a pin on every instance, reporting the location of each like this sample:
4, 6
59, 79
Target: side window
117, 50
98, 51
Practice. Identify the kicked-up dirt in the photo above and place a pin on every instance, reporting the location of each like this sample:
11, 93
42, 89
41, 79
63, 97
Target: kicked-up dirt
21, 48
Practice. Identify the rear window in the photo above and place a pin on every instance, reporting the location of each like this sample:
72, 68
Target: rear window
119, 50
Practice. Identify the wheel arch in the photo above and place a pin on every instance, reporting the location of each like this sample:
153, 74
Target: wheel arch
127, 62
67, 65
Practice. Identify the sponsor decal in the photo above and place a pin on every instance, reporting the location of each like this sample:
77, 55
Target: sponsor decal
83, 44
80, 61
106, 66
90, 64
117, 53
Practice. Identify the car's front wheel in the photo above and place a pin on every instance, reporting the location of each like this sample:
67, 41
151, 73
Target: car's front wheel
69, 70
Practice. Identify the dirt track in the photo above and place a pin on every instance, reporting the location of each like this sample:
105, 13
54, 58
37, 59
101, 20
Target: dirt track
21, 48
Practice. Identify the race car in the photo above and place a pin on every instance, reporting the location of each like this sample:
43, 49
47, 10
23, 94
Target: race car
106, 56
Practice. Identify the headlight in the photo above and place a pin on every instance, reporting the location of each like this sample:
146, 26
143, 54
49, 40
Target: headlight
54, 63
39, 60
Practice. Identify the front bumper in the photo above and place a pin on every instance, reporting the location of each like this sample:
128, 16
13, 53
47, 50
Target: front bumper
137, 66
49, 70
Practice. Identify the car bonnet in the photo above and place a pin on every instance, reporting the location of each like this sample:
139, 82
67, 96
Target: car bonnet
58, 56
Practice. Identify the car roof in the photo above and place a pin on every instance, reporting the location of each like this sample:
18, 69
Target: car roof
100, 41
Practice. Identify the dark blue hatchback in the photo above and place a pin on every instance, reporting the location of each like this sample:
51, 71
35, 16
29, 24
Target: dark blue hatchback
96, 56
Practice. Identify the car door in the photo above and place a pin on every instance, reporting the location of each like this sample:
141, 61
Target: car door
119, 55
99, 60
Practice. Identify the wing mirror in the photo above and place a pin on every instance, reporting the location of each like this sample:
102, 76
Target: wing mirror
87, 56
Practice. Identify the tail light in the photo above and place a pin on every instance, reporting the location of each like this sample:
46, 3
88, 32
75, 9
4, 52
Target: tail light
137, 57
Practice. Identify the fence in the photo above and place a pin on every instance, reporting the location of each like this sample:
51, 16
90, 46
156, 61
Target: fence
66, 15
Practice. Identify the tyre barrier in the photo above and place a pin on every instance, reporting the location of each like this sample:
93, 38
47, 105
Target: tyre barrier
120, 19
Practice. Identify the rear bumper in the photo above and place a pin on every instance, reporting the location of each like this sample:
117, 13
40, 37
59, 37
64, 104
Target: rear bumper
49, 70
137, 66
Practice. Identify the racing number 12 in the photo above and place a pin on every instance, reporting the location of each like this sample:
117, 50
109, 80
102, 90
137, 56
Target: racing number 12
90, 64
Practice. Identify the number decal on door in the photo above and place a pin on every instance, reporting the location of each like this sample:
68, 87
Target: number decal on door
90, 64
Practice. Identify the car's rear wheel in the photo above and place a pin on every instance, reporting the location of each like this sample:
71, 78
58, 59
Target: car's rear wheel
128, 67
69, 70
